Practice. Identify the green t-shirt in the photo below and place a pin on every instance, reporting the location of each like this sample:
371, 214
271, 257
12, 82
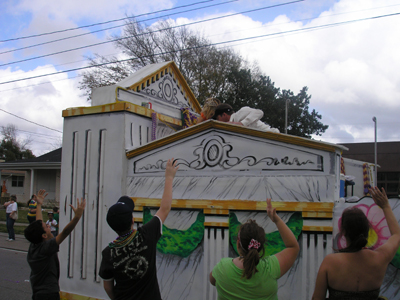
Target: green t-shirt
262, 285
56, 217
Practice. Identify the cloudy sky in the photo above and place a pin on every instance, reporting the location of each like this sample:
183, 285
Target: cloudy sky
345, 51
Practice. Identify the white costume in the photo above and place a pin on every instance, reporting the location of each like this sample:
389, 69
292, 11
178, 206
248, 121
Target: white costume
250, 117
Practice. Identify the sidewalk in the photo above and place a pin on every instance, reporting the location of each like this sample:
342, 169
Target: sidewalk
20, 243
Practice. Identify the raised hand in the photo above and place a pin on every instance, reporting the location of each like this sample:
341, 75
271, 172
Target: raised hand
271, 211
39, 198
379, 197
171, 168
78, 211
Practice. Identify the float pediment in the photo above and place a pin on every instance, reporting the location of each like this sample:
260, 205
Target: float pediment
220, 147
159, 86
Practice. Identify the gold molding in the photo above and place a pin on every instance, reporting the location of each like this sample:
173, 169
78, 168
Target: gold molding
223, 205
70, 296
118, 107
317, 214
318, 228
216, 224
211, 124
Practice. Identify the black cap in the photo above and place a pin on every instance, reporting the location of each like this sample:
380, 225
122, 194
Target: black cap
120, 214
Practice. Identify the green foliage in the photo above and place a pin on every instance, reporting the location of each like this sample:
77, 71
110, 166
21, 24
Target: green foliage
274, 242
179, 242
396, 259
10, 151
258, 91
11, 148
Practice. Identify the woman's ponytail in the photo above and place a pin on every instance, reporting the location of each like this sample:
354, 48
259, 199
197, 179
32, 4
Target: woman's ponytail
251, 242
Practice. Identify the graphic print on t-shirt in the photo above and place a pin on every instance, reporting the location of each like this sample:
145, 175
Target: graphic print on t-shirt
128, 259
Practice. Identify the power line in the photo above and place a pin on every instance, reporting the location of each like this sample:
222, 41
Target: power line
30, 121
46, 82
40, 134
263, 26
145, 33
197, 47
95, 31
101, 23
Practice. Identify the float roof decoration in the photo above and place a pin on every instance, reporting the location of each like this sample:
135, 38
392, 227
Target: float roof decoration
160, 83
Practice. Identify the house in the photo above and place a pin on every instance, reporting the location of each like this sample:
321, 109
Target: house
25, 177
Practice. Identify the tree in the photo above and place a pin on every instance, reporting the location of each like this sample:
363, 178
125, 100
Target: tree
208, 70
11, 148
247, 88
205, 67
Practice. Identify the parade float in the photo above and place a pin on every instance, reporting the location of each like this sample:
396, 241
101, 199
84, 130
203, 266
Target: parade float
119, 146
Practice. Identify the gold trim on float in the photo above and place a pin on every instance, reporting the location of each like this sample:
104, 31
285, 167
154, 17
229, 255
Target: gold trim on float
208, 211
118, 107
317, 214
211, 124
216, 224
318, 228
223, 205
70, 296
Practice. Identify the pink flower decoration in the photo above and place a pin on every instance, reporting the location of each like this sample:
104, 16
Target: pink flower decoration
379, 232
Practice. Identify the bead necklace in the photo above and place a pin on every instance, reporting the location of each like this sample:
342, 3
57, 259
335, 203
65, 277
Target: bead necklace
123, 240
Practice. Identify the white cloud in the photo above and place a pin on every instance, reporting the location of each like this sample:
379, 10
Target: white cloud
351, 70
40, 103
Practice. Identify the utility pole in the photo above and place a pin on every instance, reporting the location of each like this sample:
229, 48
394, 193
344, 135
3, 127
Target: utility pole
286, 114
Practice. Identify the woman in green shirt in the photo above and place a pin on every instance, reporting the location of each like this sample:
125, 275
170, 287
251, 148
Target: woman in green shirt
31, 216
252, 276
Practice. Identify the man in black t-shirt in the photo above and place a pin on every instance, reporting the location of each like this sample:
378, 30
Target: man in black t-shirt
42, 254
128, 265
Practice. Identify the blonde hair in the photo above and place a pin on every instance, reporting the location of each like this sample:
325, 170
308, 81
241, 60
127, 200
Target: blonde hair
209, 108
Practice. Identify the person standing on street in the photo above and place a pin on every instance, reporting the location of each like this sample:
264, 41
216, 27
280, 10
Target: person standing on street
11, 216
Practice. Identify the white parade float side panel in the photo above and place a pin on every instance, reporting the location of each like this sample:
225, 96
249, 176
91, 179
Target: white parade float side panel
214, 164
93, 166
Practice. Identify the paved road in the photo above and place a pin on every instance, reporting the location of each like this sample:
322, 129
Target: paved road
14, 270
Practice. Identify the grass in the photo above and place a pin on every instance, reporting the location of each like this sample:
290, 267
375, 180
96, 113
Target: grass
21, 216
17, 229
21, 219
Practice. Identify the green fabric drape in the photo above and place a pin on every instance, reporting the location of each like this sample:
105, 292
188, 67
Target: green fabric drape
179, 242
274, 242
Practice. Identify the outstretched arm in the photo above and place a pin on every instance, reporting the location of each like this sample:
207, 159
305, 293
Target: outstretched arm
166, 199
288, 255
78, 211
390, 247
39, 198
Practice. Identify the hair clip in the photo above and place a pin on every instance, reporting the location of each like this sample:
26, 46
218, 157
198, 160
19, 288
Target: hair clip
254, 244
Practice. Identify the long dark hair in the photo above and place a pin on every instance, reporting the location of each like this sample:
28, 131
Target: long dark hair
251, 234
29, 201
355, 227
